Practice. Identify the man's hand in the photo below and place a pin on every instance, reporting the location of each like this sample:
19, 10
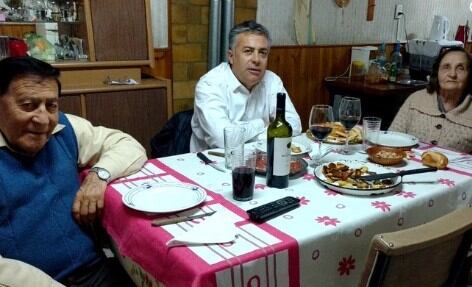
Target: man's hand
88, 203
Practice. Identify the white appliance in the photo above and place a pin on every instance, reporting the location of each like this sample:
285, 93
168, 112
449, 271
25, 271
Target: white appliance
423, 53
360, 57
440, 28
49, 31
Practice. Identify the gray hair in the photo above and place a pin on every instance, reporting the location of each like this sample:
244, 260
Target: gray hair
248, 27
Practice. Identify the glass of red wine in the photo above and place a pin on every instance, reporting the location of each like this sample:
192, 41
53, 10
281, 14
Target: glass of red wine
320, 123
349, 116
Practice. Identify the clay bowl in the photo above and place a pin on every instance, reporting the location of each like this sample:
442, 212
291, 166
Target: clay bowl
385, 155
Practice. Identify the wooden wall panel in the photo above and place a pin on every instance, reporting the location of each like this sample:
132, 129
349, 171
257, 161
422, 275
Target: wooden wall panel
70, 104
303, 68
141, 113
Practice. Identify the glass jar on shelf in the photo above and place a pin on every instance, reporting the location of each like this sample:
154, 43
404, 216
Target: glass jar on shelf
69, 11
55, 11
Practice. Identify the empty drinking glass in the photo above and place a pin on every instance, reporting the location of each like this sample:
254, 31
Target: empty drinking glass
370, 131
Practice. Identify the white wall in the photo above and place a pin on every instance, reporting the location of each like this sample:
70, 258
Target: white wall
159, 20
334, 25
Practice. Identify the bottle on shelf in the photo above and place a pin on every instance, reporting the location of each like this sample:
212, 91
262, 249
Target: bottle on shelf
381, 59
396, 63
279, 138
397, 56
392, 73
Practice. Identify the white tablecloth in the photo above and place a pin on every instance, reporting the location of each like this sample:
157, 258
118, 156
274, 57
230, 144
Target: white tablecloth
324, 242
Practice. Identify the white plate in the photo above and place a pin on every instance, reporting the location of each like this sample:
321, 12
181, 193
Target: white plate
305, 148
164, 197
358, 191
396, 139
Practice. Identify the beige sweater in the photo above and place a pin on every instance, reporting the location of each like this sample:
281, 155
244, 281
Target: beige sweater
421, 117
14, 273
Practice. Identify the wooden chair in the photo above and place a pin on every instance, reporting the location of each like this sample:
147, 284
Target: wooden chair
431, 254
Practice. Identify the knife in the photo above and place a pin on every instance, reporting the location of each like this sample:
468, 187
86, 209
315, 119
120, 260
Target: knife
165, 221
209, 162
395, 174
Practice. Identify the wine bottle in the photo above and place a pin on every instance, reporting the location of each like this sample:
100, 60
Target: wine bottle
279, 139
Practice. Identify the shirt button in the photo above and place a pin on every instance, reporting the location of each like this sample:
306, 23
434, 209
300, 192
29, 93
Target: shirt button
439, 126
443, 116
434, 142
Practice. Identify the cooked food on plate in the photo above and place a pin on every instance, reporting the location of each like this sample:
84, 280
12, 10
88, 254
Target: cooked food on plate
339, 134
434, 159
345, 176
295, 148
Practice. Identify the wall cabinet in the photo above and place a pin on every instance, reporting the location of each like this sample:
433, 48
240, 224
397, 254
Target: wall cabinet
115, 33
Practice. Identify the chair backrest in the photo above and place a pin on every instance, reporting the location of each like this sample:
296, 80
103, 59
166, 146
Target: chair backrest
431, 254
174, 137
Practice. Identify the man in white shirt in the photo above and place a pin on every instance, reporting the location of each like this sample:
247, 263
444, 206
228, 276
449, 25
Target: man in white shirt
239, 91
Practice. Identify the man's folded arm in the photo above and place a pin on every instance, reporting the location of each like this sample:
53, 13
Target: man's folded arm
111, 149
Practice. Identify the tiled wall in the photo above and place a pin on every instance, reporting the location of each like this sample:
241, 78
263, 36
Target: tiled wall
190, 44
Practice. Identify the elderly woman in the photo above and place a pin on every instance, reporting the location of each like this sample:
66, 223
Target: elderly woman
442, 114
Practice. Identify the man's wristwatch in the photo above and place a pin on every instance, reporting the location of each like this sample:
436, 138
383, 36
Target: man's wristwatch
102, 173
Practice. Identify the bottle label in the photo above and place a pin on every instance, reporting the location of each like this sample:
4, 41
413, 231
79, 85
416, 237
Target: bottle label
282, 156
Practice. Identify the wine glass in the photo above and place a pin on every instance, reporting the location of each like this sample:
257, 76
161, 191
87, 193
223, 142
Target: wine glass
349, 116
320, 124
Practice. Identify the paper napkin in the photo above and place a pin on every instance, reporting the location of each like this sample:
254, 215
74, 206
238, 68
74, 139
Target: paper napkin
215, 229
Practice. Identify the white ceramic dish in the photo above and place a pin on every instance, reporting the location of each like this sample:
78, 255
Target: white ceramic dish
396, 139
305, 148
358, 191
164, 197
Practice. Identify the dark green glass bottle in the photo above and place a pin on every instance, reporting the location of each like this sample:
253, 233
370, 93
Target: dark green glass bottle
279, 139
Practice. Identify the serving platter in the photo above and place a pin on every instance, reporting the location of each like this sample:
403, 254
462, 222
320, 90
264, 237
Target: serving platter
322, 179
396, 140
164, 197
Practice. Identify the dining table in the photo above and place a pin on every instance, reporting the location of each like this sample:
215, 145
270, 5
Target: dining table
323, 242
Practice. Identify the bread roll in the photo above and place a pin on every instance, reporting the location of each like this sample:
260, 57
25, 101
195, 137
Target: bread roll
434, 159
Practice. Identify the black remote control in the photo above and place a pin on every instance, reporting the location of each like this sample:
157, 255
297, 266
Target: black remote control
273, 209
